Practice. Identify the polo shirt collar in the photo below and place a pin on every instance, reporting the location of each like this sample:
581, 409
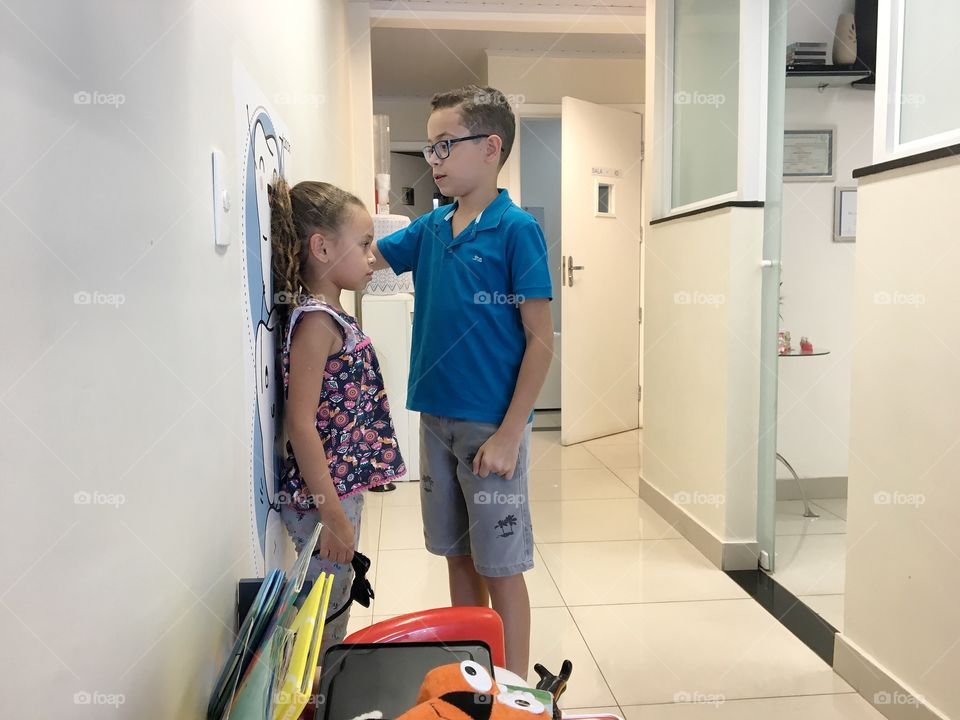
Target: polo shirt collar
488, 218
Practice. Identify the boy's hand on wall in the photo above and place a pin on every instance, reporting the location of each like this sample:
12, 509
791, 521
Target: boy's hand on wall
498, 455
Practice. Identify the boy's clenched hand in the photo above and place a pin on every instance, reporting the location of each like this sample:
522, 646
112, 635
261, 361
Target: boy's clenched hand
498, 455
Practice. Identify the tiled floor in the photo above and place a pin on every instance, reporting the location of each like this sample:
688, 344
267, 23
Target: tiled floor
811, 555
654, 631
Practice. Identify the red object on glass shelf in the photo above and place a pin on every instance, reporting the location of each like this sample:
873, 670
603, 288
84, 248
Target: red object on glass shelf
805, 345
450, 623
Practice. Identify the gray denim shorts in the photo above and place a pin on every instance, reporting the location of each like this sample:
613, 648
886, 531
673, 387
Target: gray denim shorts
464, 514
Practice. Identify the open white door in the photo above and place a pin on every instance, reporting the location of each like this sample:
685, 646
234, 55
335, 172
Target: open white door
600, 311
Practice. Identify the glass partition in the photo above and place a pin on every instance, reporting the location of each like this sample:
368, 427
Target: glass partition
706, 78
929, 99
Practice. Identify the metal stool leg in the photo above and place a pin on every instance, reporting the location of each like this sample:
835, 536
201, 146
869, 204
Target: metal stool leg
807, 512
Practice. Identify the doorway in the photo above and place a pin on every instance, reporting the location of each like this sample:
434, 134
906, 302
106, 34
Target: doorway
580, 177
540, 188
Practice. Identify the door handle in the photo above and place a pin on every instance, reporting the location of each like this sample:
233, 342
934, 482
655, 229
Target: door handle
563, 270
570, 268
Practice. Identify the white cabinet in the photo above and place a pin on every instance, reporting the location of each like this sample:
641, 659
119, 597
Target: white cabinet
388, 322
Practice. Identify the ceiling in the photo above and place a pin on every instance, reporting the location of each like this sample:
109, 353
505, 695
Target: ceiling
417, 61
617, 6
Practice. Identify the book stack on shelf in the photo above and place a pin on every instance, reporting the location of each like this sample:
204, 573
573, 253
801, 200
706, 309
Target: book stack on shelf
807, 53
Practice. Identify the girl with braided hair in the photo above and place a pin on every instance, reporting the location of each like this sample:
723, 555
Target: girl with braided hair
340, 437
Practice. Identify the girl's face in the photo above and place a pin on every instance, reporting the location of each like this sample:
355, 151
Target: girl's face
349, 253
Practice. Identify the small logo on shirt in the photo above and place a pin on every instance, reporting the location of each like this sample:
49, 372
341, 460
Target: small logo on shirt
477, 258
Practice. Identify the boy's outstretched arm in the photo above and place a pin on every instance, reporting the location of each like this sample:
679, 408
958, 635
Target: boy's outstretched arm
499, 454
379, 262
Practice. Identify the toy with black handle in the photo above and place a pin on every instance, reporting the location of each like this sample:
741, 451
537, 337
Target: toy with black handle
554, 684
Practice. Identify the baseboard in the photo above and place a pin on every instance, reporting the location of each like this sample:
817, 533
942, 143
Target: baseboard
546, 419
814, 487
725, 555
888, 695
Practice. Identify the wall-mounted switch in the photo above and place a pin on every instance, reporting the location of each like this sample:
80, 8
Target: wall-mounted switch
221, 201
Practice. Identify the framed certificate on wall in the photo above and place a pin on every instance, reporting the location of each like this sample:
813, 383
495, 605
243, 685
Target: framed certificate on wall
808, 154
845, 214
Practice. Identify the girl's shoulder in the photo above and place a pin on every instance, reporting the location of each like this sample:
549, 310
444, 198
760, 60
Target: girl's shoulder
325, 319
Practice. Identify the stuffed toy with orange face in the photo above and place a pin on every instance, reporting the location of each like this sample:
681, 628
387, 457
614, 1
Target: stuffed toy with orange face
465, 691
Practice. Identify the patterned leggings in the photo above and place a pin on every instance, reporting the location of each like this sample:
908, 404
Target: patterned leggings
300, 525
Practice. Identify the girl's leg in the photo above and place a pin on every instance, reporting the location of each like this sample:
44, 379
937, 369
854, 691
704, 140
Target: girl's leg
300, 525
334, 632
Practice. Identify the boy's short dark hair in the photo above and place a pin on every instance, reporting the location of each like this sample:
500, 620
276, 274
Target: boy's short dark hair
484, 110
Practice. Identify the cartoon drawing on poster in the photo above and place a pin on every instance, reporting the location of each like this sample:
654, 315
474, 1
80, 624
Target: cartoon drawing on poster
265, 152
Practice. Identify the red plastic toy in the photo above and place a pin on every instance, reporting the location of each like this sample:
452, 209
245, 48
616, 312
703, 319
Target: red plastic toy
448, 623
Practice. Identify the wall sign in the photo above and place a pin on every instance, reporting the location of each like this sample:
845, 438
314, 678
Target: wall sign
606, 172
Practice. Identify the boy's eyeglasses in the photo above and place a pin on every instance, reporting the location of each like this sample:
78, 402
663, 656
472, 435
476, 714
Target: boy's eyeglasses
442, 148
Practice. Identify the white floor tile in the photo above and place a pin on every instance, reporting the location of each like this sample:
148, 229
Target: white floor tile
630, 437
838, 506
847, 706
401, 528
541, 586
411, 580
636, 571
617, 456
587, 520
548, 454
630, 476
407, 493
370, 527
357, 622
811, 564
576, 484
654, 652
790, 520
554, 637
587, 713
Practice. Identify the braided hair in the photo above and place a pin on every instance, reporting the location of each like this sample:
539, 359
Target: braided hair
295, 214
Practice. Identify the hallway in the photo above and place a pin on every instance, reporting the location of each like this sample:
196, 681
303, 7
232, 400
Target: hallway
653, 629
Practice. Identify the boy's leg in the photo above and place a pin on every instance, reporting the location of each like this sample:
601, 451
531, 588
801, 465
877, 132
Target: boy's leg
510, 600
467, 586
501, 536
445, 521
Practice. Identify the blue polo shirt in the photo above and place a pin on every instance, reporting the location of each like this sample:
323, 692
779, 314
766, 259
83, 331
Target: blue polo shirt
468, 338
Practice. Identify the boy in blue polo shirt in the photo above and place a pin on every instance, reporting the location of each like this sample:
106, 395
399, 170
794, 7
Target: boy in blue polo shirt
482, 344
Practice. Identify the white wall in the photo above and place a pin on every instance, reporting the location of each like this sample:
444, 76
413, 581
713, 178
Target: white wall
815, 21
144, 399
547, 79
701, 371
903, 522
814, 394
408, 117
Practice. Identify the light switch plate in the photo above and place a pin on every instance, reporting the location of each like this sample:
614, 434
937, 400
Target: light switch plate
221, 200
